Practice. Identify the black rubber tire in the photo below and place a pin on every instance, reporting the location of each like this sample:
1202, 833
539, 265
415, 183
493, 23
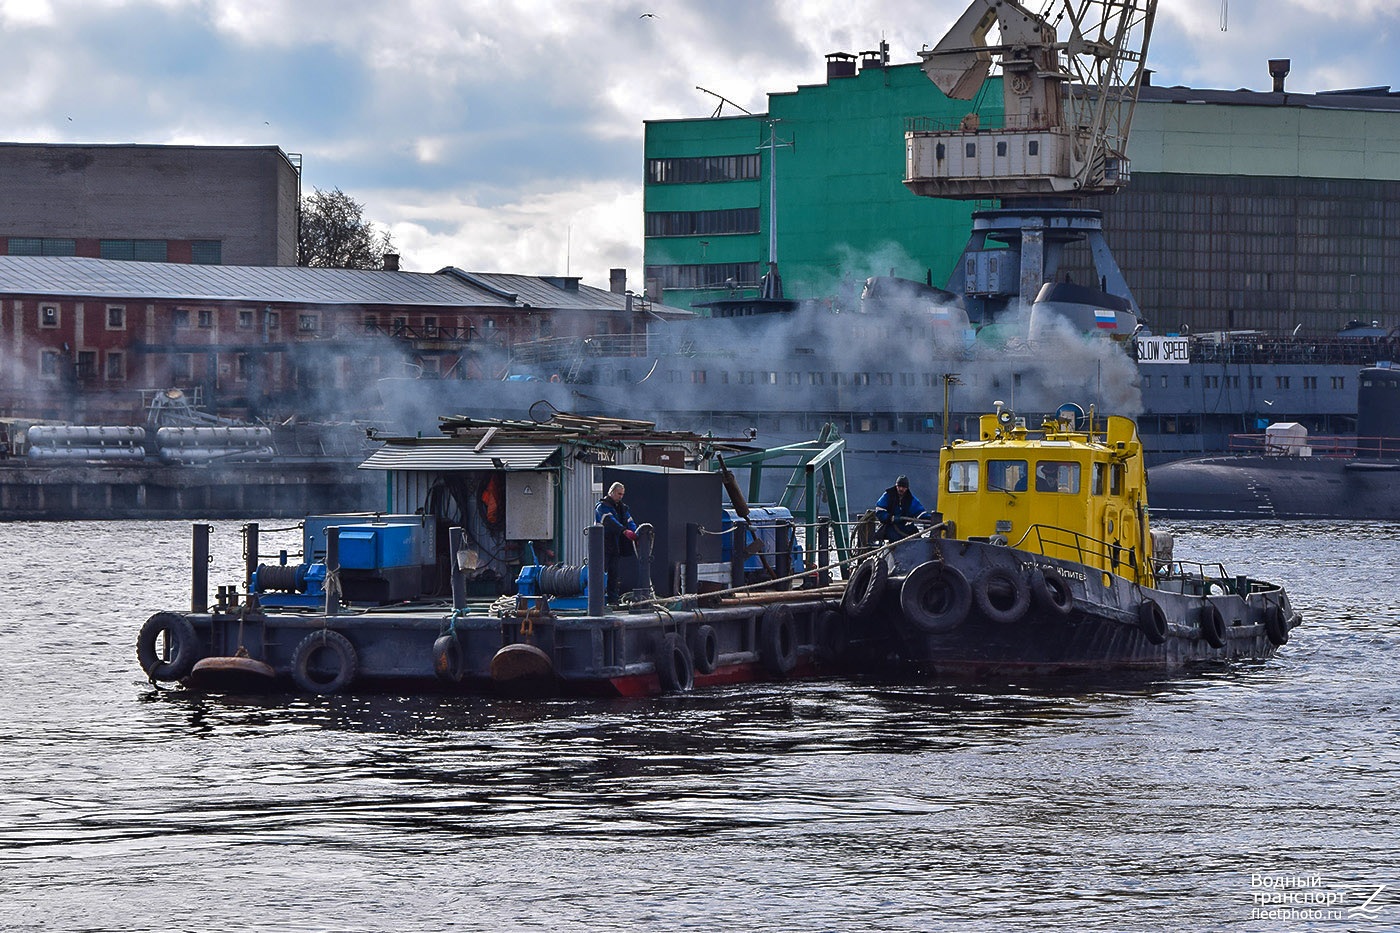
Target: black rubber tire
1153, 621
777, 641
865, 589
1051, 591
935, 598
309, 677
704, 649
1001, 594
1275, 625
832, 635
1212, 625
181, 642
673, 665
449, 660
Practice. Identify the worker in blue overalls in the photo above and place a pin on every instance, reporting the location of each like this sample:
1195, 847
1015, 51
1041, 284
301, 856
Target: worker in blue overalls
619, 531
896, 509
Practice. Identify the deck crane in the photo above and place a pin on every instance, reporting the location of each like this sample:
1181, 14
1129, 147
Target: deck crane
1070, 82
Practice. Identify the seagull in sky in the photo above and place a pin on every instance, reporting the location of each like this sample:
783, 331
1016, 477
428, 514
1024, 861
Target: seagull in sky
647, 16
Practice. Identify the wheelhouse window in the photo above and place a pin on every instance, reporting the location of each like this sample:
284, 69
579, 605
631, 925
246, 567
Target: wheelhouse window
962, 476
1099, 480
1007, 475
1057, 476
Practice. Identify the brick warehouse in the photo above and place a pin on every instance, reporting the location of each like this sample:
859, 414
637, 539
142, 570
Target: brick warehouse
90, 340
231, 205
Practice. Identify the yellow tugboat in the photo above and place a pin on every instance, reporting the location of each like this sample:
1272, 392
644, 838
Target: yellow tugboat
1041, 559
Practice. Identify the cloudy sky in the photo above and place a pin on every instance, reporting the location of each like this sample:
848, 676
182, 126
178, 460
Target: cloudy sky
506, 135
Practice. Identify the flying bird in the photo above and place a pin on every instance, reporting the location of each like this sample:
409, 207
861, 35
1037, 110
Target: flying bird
647, 16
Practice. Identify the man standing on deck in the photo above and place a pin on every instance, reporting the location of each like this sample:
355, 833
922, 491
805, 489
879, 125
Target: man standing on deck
619, 531
896, 508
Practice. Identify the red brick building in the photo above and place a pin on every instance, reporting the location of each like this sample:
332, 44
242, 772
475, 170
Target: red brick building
92, 340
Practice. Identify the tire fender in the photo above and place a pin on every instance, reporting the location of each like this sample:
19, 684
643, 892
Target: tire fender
1002, 595
1212, 625
704, 649
449, 661
777, 641
307, 670
1152, 621
831, 634
673, 665
935, 598
1275, 625
1051, 591
181, 642
865, 589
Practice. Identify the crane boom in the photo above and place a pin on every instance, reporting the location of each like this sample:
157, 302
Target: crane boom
1068, 103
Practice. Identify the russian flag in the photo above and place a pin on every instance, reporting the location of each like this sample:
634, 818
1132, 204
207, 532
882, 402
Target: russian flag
1104, 318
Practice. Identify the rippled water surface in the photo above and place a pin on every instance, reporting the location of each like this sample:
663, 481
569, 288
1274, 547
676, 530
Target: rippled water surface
1163, 803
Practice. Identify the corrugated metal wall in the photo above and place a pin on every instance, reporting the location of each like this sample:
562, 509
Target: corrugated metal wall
1217, 252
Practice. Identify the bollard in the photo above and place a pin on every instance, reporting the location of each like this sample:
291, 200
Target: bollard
597, 581
646, 540
459, 579
691, 583
199, 575
250, 554
782, 543
738, 552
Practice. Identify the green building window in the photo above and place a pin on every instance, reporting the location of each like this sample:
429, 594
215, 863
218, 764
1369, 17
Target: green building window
712, 275
702, 223
704, 169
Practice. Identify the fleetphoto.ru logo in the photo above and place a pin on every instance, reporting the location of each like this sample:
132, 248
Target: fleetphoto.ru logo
1311, 897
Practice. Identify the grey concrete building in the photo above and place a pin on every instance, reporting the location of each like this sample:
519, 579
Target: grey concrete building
219, 205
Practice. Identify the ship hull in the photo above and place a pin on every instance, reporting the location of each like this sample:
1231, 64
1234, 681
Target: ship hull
985, 615
1254, 487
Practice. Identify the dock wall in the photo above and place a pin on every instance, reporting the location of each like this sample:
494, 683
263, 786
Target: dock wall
158, 491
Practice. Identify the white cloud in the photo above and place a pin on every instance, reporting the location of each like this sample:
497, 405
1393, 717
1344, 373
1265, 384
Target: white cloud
584, 231
483, 133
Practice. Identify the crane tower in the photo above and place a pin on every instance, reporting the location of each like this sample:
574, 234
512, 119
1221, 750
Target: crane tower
1070, 80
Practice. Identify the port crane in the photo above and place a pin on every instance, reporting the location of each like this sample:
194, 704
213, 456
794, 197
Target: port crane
1070, 79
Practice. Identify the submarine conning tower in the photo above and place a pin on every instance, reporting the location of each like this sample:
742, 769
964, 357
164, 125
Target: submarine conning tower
1378, 411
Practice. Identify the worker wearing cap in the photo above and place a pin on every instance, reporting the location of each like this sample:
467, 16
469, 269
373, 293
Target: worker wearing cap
896, 509
619, 531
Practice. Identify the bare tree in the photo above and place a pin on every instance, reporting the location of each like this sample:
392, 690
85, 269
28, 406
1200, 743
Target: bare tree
333, 233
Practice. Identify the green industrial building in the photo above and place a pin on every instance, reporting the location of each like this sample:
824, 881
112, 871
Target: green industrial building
1246, 210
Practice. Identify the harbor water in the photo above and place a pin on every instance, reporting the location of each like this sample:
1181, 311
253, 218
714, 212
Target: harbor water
1261, 796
